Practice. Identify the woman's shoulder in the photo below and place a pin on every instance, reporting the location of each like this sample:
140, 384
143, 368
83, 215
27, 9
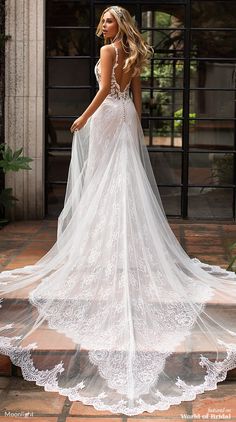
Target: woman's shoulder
107, 53
107, 48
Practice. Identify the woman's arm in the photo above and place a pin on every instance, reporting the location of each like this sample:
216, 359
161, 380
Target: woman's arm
136, 93
106, 63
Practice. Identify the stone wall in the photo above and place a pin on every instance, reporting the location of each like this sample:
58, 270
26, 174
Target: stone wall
2, 77
24, 101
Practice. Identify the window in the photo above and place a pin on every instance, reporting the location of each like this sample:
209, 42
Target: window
188, 97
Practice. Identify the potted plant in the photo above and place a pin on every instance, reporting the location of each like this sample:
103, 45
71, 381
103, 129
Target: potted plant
10, 161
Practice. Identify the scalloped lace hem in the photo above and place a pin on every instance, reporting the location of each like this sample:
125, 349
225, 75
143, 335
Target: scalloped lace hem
215, 372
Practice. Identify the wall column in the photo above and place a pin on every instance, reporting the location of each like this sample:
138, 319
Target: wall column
24, 102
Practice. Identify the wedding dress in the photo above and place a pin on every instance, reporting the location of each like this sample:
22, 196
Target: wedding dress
116, 314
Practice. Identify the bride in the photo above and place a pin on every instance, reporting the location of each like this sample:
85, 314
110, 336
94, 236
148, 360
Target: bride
116, 315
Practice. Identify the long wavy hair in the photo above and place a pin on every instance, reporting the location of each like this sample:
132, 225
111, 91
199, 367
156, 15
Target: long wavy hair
137, 49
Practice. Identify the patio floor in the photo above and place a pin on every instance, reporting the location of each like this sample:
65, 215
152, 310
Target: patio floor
23, 243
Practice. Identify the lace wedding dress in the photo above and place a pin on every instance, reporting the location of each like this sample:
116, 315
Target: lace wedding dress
116, 314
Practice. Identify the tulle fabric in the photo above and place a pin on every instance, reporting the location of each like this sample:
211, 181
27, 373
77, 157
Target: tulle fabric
116, 314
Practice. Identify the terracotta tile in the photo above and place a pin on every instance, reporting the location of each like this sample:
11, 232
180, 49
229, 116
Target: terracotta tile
11, 266
173, 411
151, 419
198, 232
18, 372
51, 223
217, 402
212, 259
176, 231
96, 419
11, 244
18, 383
5, 366
79, 408
27, 418
46, 233
26, 260
4, 381
232, 375
39, 243
18, 263
229, 228
205, 248
33, 401
37, 246
22, 227
29, 258
191, 239
48, 339
30, 255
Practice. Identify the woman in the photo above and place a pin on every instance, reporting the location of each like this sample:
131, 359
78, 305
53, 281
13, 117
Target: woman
116, 314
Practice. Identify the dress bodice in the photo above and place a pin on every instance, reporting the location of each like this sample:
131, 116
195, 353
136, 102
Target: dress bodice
115, 91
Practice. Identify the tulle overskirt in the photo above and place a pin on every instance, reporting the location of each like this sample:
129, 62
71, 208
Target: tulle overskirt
116, 314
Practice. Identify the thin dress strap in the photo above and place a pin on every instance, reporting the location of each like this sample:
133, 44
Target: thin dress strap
116, 50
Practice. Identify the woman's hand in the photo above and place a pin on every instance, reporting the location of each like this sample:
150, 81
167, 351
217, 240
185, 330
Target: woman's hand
78, 123
106, 56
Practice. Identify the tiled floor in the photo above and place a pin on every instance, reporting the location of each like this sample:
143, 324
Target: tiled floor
23, 243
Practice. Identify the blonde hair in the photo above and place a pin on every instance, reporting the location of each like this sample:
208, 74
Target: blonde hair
138, 50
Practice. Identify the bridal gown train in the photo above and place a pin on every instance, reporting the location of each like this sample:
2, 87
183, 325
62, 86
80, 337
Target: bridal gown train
116, 314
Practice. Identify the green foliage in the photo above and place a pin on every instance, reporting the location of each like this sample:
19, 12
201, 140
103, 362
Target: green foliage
7, 201
223, 168
13, 161
10, 161
162, 20
6, 198
178, 121
165, 73
232, 262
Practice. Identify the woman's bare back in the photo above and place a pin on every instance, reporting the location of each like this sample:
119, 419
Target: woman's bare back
122, 78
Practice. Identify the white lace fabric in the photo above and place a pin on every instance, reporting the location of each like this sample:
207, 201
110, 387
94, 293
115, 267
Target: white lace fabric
115, 91
116, 314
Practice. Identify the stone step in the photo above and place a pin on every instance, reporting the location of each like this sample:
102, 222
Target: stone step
51, 340
216, 306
